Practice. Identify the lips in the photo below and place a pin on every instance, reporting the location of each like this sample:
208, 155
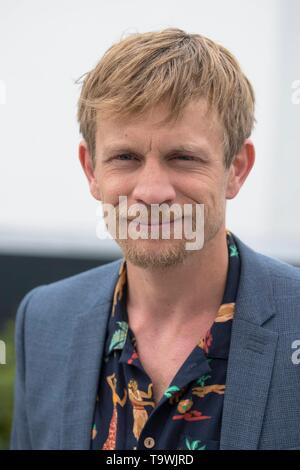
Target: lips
142, 224
156, 225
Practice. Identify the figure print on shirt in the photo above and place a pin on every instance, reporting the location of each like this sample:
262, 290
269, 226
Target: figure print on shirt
140, 415
110, 443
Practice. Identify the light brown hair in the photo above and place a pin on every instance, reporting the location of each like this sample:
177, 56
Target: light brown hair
145, 69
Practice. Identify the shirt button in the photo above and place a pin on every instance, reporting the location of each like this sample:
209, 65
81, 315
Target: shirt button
149, 442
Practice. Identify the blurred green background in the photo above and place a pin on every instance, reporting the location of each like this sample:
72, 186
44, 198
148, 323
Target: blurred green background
7, 376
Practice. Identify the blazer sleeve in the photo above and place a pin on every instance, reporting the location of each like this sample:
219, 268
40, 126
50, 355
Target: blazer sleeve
20, 434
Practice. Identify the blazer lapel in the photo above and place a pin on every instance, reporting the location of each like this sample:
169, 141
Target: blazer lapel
251, 357
249, 373
83, 367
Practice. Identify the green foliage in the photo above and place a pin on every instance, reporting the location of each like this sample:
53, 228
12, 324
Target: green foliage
119, 337
171, 390
201, 381
7, 377
194, 445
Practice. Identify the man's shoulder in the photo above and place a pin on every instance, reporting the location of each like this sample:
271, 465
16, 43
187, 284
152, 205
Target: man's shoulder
281, 272
269, 288
62, 300
84, 282
268, 296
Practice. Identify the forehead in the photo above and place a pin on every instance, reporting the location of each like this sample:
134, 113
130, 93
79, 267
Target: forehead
195, 125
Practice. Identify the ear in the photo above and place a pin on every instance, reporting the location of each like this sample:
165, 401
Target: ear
240, 168
88, 168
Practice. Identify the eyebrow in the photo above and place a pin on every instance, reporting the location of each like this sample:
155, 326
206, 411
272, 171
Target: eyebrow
186, 148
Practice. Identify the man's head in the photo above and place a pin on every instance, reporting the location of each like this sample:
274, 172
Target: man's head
166, 118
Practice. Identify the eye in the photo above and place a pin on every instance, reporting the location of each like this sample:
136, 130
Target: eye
124, 157
184, 157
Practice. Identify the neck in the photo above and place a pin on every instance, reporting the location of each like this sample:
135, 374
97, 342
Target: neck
180, 293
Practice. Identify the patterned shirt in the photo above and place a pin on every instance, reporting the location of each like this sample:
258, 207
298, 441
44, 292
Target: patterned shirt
189, 414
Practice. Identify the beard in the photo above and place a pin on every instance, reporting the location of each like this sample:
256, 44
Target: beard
154, 253
165, 253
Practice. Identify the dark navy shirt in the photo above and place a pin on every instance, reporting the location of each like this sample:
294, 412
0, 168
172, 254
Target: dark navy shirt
189, 414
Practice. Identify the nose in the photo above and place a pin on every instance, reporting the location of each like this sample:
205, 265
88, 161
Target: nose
153, 185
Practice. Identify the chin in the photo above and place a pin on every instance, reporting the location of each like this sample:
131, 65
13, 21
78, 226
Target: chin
154, 253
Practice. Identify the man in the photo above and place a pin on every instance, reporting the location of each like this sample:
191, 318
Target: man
166, 348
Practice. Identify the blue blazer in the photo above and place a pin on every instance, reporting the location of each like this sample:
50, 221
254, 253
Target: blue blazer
60, 334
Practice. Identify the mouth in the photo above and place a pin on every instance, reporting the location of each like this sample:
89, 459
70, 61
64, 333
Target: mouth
160, 224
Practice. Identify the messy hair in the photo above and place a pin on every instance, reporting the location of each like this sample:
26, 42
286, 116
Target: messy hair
172, 66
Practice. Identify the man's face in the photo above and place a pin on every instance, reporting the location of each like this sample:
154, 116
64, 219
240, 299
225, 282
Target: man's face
181, 162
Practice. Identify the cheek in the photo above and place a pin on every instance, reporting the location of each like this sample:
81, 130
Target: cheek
207, 191
111, 187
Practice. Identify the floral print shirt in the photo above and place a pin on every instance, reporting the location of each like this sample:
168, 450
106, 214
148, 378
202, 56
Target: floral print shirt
189, 414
